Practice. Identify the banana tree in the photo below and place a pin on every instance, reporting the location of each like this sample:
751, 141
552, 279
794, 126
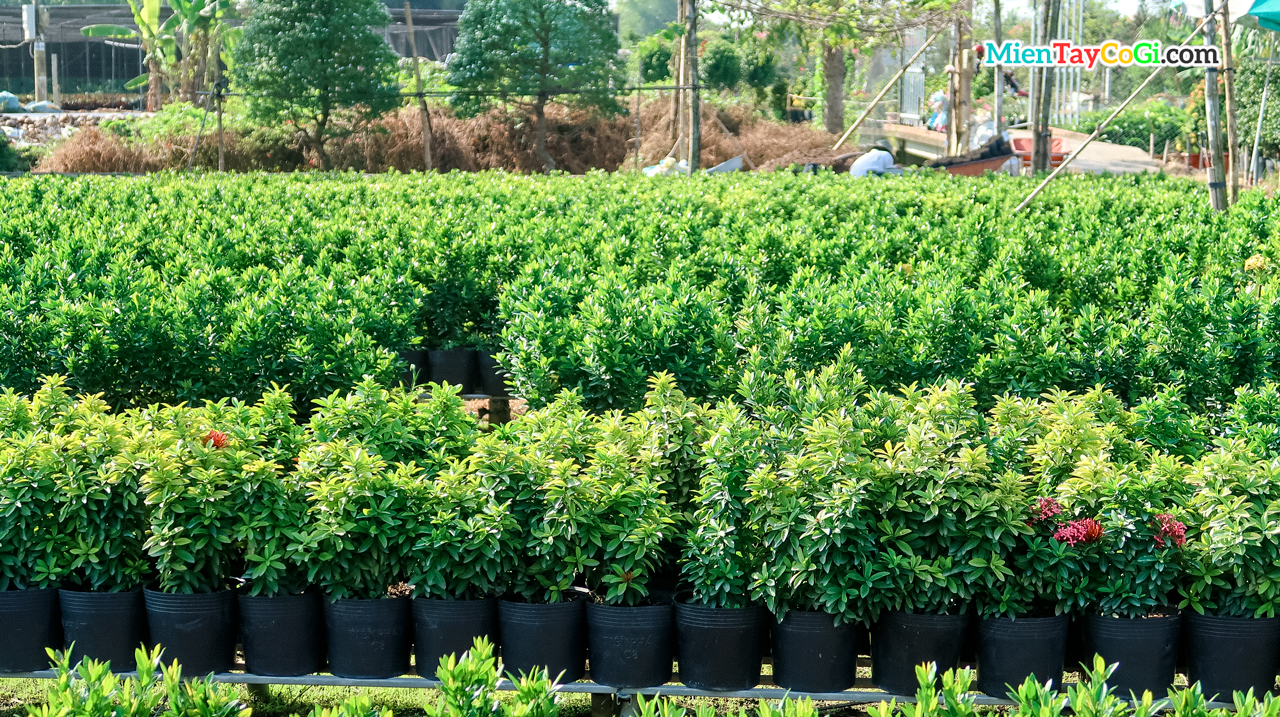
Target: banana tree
160, 46
180, 52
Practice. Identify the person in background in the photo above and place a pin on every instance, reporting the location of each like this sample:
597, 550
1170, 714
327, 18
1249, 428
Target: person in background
878, 161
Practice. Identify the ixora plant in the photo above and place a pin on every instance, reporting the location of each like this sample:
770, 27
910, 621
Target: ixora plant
1232, 554
362, 512
1126, 543
637, 522
721, 547
814, 526
465, 544
944, 522
397, 425
71, 494
198, 480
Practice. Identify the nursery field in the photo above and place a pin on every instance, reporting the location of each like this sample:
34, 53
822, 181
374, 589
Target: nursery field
803, 415
170, 288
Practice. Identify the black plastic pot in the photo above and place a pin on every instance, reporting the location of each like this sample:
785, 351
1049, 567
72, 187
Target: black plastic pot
198, 631
1010, 650
720, 648
1145, 648
631, 647
368, 638
811, 653
454, 366
552, 636
419, 371
450, 627
282, 636
1233, 653
900, 641
28, 624
492, 380
104, 626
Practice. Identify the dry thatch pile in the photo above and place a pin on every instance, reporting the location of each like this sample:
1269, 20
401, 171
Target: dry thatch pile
578, 140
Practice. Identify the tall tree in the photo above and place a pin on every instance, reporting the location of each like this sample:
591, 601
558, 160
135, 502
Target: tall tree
317, 64
529, 51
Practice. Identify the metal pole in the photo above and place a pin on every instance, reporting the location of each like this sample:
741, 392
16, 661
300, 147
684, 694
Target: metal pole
1213, 116
1101, 127
1257, 135
423, 114
885, 90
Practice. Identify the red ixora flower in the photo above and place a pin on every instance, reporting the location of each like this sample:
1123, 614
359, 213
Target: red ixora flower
1170, 530
217, 439
1079, 532
1044, 509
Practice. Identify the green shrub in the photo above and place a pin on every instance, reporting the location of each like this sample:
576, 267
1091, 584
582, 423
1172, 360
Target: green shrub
362, 511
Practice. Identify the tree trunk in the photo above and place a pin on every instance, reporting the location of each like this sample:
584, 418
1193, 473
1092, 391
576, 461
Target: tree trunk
833, 74
155, 84
540, 135
1042, 138
1229, 100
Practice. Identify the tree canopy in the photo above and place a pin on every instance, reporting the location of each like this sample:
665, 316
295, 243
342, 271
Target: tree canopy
317, 64
529, 51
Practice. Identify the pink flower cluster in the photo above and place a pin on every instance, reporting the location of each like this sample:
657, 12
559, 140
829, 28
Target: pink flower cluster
1170, 531
217, 439
1079, 532
1044, 509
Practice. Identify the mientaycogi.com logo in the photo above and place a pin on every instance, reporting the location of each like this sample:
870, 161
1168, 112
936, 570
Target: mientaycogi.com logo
1063, 53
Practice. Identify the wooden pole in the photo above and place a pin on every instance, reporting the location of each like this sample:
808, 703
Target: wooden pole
1042, 140
998, 106
1233, 137
423, 113
1213, 117
885, 90
1101, 127
217, 96
677, 119
638, 118
695, 102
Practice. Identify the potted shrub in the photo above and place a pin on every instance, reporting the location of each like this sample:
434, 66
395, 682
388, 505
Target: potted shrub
362, 510
398, 425
543, 624
720, 632
940, 513
630, 634
99, 507
534, 466
1023, 628
816, 537
458, 566
281, 616
1121, 520
194, 487
32, 547
492, 376
1233, 631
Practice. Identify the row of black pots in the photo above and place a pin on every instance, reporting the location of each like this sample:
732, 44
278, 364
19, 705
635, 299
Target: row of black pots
477, 372
630, 647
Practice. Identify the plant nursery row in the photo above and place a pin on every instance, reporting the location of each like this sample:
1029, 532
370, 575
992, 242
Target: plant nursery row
168, 288
810, 511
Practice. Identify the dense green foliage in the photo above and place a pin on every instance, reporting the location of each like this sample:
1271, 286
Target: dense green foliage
166, 289
812, 491
317, 65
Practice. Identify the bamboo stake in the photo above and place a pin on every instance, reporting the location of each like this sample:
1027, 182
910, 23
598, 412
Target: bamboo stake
885, 90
